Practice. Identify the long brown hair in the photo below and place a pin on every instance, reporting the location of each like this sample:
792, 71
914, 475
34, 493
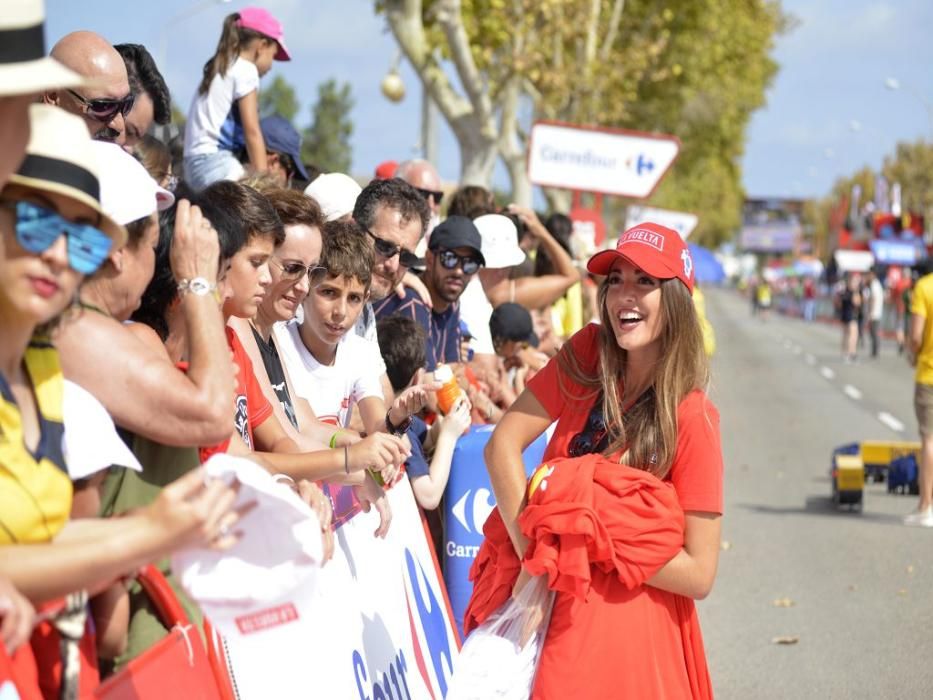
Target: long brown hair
644, 428
232, 39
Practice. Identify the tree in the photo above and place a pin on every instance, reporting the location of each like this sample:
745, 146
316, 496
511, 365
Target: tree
694, 68
326, 142
912, 167
278, 98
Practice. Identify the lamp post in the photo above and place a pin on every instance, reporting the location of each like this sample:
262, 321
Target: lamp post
894, 84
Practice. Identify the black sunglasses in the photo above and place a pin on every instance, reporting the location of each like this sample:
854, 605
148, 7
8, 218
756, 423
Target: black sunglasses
449, 261
388, 249
105, 109
594, 437
427, 194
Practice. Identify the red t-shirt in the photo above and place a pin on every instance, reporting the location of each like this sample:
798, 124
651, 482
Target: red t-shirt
696, 472
251, 408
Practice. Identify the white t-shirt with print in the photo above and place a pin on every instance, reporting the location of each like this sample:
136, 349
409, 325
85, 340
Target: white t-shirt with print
214, 118
332, 390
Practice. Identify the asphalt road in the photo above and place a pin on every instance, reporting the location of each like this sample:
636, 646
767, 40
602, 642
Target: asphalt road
856, 588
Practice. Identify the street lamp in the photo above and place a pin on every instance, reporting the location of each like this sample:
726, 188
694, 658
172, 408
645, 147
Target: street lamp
895, 84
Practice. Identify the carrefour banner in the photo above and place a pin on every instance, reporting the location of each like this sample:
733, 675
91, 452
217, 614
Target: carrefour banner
377, 626
469, 501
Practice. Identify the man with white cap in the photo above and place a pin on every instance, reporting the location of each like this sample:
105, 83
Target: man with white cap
25, 73
335, 194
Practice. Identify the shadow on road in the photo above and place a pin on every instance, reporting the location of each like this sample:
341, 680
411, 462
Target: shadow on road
824, 507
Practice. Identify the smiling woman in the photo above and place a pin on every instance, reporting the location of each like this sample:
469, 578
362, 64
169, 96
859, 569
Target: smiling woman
630, 389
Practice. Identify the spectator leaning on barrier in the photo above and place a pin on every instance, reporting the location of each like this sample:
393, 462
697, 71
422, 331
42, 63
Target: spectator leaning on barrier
920, 353
105, 106
152, 102
402, 342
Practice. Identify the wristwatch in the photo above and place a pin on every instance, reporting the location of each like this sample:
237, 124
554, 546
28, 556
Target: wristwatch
197, 286
398, 430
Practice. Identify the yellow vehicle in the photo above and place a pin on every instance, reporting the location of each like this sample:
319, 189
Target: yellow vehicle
852, 464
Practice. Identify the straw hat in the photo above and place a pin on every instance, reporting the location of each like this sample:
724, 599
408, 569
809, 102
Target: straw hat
24, 67
61, 159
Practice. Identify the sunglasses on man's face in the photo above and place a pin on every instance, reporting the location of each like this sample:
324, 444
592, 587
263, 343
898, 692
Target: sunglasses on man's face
105, 109
387, 249
450, 260
294, 271
37, 229
427, 194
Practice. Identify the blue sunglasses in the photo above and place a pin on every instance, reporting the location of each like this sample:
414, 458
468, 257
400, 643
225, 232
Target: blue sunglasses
37, 228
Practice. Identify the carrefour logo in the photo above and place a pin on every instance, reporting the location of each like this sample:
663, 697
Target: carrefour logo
479, 509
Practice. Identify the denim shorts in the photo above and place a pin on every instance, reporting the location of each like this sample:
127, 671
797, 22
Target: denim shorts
205, 168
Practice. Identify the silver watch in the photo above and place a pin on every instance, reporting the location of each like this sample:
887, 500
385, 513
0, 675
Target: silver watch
196, 285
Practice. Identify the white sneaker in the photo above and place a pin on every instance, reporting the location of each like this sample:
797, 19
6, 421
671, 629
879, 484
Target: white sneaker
920, 518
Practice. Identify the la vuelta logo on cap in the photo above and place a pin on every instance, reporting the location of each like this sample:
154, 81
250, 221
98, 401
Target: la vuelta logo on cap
641, 235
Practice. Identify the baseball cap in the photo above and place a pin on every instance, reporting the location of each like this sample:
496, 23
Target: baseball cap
262, 21
24, 67
457, 232
510, 321
335, 193
386, 169
500, 241
127, 191
60, 158
281, 137
655, 249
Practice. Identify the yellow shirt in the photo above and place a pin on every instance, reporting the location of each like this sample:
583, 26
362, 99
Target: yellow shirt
921, 304
709, 336
35, 490
567, 312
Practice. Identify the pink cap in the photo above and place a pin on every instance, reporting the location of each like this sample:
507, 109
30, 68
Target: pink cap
260, 20
655, 249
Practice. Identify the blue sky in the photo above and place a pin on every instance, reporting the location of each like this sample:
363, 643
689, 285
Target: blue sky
828, 111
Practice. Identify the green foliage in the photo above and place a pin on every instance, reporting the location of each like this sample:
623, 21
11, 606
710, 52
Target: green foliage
912, 166
278, 98
178, 117
326, 142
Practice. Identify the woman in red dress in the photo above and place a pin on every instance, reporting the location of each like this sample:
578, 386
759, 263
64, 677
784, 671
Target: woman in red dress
629, 391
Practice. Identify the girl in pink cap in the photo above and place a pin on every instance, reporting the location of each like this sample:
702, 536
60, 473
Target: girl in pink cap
224, 115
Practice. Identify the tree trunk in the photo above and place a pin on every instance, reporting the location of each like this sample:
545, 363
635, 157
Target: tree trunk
521, 184
477, 156
558, 201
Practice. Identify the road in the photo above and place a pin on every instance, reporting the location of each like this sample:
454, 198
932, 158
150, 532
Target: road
859, 586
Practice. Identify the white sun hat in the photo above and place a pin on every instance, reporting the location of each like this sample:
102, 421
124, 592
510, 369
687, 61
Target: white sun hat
127, 191
24, 67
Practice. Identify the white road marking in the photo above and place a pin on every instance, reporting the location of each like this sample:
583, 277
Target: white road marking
827, 372
852, 392
811, 359
892, 422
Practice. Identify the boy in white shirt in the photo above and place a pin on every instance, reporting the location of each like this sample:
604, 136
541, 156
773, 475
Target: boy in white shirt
331, 366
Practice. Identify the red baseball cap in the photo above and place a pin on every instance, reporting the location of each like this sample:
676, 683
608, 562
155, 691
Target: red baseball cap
655, 249
262, 21
386, 169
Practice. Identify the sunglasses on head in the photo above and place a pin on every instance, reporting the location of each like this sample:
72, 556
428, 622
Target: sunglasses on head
105, 109
37, 229
427, 194
388, 249
450, 260
294, 271
593, 437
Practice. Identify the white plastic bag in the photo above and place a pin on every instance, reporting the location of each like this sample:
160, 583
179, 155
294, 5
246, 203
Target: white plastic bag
493, 664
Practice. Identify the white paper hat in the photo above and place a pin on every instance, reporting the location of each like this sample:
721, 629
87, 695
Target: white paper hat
127, 191
335, 193
500, 241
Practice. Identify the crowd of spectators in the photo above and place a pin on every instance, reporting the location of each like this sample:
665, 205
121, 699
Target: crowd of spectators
235, 300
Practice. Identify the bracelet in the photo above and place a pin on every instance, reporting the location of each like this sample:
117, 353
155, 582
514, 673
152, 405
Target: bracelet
397, 430
333, 440
346, 460
283, 479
